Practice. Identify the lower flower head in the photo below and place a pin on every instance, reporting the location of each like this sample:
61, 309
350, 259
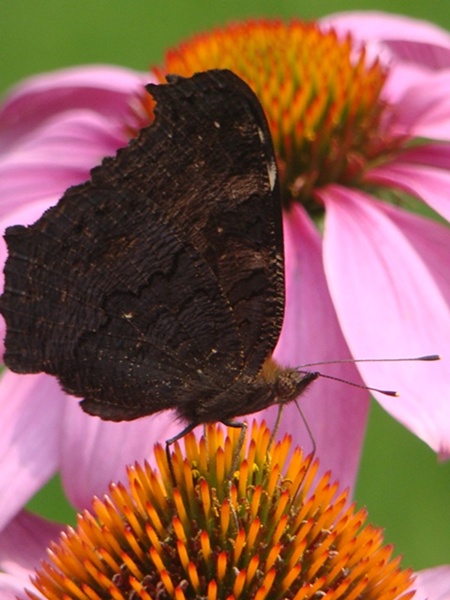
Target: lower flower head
264, 532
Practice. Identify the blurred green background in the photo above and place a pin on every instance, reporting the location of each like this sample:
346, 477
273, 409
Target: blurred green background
404, 487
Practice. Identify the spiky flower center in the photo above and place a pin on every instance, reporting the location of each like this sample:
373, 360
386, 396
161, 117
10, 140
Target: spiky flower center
263, 532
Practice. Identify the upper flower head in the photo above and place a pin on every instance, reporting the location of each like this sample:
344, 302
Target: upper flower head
321, 95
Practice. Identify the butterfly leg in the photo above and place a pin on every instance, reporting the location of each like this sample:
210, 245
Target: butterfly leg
276, 426
243, 427
171, 441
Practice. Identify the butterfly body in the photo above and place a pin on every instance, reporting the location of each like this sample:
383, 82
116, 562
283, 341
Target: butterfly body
159, 282
247, 395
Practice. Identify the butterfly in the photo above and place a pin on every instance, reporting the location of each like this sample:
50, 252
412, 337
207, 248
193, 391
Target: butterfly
159, 283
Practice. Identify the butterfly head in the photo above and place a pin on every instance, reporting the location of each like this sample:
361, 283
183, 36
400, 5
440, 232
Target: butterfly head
287, 384
291, 383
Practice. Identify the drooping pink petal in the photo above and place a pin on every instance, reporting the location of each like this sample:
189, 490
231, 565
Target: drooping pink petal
31, 409
400, 79
407, 39
433, 584
430, 239
389, 305
13, 588
104, 90
311, 333
58, 155
432, 154
426, 115
23, 543
427, 183
96, 452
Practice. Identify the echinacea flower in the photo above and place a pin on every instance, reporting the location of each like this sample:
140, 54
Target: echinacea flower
365, 277
260, 530
356, 144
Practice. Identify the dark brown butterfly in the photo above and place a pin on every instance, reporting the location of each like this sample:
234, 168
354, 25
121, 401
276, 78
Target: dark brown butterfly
159, 282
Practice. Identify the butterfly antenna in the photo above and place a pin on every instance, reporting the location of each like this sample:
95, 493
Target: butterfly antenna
392, 393
427, 357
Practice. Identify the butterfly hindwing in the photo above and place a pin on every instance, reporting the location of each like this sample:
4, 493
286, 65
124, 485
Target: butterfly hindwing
96, 315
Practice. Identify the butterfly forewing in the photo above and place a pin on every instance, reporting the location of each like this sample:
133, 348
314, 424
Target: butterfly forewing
208, 162
162, 276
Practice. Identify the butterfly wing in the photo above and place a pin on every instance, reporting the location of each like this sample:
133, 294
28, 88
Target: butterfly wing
114, 304
209, 164
165, 268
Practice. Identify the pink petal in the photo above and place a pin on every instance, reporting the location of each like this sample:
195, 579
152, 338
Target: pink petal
389, 305
401, 78
433, 584
407, 39
335, 413
23, 543
426, 113
428, 183
430, 239
432, 154
427, 53
59, 154
94, 452
13, 588
103, 89
32, 408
